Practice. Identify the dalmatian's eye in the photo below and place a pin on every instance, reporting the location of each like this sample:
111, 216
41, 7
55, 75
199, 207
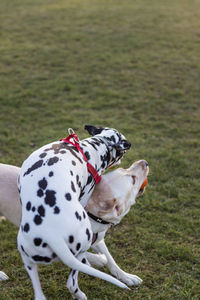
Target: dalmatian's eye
134, 179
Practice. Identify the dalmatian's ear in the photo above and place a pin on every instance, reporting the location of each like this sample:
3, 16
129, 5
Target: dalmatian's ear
123, 145
92, 130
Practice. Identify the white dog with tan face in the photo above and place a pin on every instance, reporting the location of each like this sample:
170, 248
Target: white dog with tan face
109, 203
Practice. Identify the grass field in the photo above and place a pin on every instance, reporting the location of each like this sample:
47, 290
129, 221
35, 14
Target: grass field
131, 65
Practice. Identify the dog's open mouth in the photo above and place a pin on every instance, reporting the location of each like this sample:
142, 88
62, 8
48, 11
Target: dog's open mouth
141, 190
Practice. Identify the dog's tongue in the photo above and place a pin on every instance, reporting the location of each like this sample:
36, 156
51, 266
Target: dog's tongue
144, 184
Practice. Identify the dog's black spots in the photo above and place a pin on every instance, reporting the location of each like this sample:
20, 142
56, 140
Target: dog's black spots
84, 261
55, 147
40, 193
33, 208
56, 210
76, 291
73, 163
51, 174
72, 251
73, 282
26, 227
62, 151
28, 206
87, 155
71, 173
89, 179
88, 234
79, 185
37, 220
78, 246
50, 198
71, 239
78, 216
73, 273
43, 184
42, 155
37, 242
92, 186
41, 210
112, 138
53, 160
54, 255
82, 194
35, 166
40, 258
73, 187
24, 251
68, 196
93, 145
103, 161
84, 215
78, 182
44, 245
29, 268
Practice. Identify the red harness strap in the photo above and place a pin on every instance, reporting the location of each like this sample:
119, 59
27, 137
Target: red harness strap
76, 144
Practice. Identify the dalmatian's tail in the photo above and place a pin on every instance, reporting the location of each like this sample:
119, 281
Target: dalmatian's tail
61, 249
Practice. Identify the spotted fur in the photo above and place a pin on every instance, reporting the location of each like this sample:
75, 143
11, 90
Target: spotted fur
54, 188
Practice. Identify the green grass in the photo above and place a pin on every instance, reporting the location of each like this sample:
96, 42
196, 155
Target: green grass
131, 65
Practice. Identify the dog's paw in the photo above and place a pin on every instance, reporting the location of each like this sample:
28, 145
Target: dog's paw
128, 279
131, 280
98, 260
3, 276
79, 296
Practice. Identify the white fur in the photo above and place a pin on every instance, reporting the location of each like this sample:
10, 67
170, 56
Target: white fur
116, 185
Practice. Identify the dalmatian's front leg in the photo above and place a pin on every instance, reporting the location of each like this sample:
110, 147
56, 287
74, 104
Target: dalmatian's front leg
115, 270
72, 282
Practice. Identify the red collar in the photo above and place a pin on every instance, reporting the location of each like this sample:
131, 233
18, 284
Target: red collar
76, 144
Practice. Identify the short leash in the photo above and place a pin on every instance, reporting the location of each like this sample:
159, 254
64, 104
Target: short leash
74, 140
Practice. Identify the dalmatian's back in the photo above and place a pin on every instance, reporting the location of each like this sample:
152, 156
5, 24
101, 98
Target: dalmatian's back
55, 184
49, 188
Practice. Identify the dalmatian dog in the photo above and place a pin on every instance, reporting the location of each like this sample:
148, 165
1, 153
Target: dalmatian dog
55, 186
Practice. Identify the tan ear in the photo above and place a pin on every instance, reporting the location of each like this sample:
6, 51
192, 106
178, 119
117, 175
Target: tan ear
102, 200
107, 207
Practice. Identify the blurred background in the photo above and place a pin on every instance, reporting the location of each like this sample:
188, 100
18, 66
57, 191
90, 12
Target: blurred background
130, 65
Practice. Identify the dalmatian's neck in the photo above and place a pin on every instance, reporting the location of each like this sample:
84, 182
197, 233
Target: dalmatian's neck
97, 152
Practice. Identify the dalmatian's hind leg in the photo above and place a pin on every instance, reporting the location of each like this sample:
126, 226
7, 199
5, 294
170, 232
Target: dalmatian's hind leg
33, 274
32, 271
72, 282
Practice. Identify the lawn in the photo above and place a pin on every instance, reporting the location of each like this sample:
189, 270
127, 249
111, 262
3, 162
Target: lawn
131, 65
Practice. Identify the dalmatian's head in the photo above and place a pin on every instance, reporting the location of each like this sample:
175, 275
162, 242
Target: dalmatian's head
115, 141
